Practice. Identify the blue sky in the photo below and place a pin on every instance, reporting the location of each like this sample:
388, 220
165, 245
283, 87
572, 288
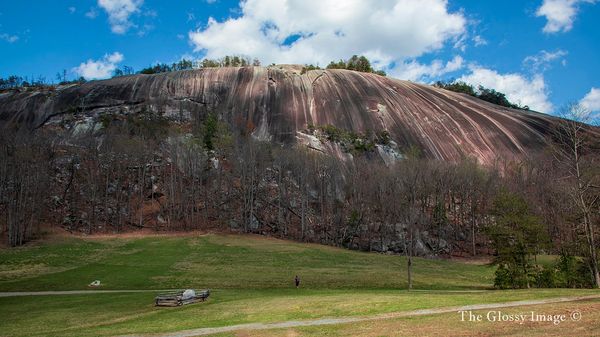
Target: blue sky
543, 53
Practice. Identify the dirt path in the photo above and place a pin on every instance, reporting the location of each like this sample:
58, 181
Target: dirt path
76, 292
99, 291
343, 320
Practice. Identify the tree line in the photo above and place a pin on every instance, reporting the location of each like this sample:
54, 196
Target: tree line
355, 63
185, 64
483, 93
14, 81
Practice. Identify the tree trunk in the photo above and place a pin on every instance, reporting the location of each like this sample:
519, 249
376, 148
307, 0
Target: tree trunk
303, 219
409, 272
592, 250
473, 225
408, 249
142, 185
589, 231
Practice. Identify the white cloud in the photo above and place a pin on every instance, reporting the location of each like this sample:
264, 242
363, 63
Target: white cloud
479, 41
318, 31
145, 29
118, 13
560, 14
460, 43
72, 9
542, 60
518, 88
591, 100
97, 69
151, 13
9, 38
415, 71
92, 13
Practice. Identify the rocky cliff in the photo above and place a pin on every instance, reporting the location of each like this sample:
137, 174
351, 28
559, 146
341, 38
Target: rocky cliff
280, 103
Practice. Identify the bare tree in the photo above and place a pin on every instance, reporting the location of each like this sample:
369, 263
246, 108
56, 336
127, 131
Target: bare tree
580, 173
24, 184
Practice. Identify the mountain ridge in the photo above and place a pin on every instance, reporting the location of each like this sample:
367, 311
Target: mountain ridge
279, 103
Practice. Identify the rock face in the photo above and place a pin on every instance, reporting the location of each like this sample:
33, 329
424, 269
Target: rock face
279, 103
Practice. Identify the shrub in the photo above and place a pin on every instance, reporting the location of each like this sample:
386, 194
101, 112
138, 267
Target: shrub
483, 93
308, 68
573, 272
503, 279
384, 137
546, 277
332, 133
356, 63
349, 140
457, 86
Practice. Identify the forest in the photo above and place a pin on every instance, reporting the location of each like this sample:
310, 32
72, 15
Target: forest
147, 171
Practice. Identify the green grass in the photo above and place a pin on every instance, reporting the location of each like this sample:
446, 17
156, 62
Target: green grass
117, 314
42, 259
547, 260
235, 262
450, 324
251, 278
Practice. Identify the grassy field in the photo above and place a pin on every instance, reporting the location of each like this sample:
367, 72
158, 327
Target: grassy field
251, 278
224, 262
452, 325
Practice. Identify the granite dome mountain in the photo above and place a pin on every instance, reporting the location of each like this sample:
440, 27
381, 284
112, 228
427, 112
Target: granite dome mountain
282, 103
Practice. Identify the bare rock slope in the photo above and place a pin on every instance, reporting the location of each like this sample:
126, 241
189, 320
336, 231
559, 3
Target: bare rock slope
279, 103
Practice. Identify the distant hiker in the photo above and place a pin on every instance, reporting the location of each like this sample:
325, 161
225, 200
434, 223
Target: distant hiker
297, 281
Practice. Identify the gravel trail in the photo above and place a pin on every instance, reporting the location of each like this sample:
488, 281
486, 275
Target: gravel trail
343, 320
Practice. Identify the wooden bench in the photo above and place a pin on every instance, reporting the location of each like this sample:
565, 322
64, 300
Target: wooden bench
176, 299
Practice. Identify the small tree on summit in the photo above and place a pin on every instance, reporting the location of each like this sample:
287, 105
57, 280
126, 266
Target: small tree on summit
341, 64
356, 63
361, 64
493, 96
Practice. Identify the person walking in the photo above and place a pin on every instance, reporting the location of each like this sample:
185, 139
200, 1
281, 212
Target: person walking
297, 281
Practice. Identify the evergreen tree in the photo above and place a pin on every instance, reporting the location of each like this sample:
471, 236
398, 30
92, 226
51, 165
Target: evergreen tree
517, 236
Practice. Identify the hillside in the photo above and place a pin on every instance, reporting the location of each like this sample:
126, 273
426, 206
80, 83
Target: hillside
199, 149
219, 261
280, 104
251, 280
